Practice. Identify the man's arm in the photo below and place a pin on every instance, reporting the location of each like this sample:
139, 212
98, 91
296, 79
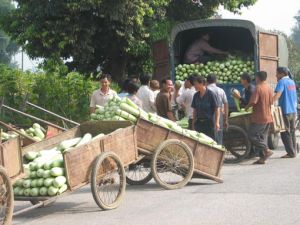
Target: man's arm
226, 115
211, 50
276, 96
92, 104
171, 116
92, 110
217, 118
152, 100
194, 119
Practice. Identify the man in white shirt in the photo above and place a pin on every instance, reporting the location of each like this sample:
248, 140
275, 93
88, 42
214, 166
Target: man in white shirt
102, 95
146, 95
221, 96
185, 99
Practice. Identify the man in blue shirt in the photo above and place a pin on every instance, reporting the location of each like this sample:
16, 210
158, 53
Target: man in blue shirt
206, 109
287, 95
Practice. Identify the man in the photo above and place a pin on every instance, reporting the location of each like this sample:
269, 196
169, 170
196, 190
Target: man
248, 90
102, 95
163, 100
146, 95
261, 101
186, 98
200, 51
206, 109
220, 93
287, 95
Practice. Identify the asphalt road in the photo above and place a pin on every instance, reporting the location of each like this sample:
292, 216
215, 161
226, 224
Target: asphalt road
251, 194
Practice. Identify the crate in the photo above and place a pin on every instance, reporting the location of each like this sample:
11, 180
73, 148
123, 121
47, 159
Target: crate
78, 162
278, 121
11, 157
208, 161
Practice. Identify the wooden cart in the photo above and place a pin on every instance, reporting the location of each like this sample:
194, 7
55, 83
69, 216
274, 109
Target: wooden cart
173, 158
100, 162
236, 137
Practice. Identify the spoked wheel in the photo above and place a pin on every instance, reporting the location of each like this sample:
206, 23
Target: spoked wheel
139, 173
172, 164
237, 144
6, 198
108, 181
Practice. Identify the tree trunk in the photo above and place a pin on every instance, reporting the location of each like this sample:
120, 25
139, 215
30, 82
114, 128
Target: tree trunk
118, 67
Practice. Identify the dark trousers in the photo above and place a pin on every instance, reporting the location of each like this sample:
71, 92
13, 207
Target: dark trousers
190, 124
258, 136
205, 126
289, 136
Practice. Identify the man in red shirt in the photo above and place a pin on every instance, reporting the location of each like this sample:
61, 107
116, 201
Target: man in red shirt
261, 101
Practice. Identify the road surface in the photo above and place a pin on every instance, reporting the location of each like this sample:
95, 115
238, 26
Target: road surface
251, 194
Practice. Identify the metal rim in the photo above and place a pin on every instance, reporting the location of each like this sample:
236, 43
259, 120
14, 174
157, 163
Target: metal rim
237, 144
139, 173
108, 181
6, 198
172, 164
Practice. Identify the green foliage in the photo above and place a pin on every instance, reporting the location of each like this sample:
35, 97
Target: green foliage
296, 31
111, 34
7, 47
66, 95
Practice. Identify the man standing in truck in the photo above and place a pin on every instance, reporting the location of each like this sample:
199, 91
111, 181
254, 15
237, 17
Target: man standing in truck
287, 95
200, 51
261, 101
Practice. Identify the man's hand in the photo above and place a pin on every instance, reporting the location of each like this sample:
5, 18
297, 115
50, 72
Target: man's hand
217, 126
226, 124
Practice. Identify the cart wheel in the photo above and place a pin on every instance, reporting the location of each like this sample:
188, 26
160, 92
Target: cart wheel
6, 198
108, 181
237, 143
139, 173
172, 164
273, 140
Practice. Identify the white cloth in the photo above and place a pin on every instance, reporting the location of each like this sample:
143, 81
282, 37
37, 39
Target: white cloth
186, 99
156, 93
99, 98
146, 95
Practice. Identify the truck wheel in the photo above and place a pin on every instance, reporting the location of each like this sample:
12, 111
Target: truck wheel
273, 140
172, 164
6, 197
108, 181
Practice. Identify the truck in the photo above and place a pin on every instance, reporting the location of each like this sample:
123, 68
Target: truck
268, 49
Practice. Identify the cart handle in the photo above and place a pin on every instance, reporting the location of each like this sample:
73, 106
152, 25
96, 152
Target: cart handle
16, 131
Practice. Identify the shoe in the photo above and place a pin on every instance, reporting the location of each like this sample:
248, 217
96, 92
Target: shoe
260, 162
268, 154
287, 156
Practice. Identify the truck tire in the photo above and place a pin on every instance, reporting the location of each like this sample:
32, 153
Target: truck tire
273, 140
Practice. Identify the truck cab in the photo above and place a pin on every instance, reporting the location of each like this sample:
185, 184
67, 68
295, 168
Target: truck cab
267, 49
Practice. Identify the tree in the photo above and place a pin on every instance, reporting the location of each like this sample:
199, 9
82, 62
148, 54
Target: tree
7, 47
294, 48
111, 34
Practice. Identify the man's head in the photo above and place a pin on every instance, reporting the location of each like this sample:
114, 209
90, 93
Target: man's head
190, 79
245, 79
145, 79
199, 83
154, 85
211, 79
105, 81
261, 76
132, 88
281, 72
167, 85
205, 36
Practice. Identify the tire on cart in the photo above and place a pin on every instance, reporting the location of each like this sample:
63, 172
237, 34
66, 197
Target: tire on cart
139, 173
7, 198
108, 181
172, 164
273, 140
237, 144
